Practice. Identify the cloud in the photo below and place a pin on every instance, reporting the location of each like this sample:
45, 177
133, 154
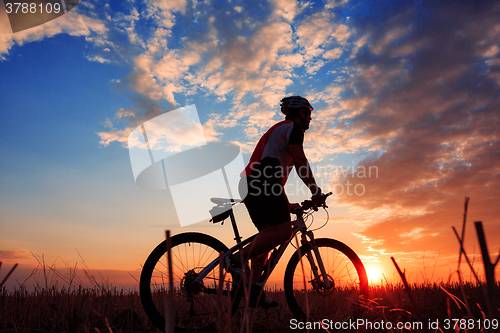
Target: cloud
246, 64
120, 136
146, 85
124, 113
239, 62
98, 59
72, 23
426, 95
408, 88
288, 9
314, 32
414, 96
335, 3
224, 64
332, 54
144, 109
15, 255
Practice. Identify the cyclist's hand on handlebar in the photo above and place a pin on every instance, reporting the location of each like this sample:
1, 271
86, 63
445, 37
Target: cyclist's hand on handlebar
319, 200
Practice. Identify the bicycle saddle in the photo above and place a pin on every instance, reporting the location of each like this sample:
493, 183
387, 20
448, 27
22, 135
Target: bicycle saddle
223, 201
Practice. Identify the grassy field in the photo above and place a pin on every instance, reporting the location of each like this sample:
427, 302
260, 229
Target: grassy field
109, 310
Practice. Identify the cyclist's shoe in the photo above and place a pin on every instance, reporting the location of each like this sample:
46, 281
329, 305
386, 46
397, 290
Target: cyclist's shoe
266, 303
259, 298
233, 267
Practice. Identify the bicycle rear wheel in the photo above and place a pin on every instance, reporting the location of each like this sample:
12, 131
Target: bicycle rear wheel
195, 306
312, 300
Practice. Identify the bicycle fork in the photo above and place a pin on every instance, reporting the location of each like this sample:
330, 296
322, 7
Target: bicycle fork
316, 258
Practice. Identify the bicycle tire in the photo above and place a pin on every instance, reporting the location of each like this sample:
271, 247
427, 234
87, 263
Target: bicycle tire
344, 269
190, 251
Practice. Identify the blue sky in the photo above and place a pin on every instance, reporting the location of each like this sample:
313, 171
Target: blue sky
409, 87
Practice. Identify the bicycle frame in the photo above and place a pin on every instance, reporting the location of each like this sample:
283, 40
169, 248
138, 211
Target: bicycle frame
317, 268
298, 226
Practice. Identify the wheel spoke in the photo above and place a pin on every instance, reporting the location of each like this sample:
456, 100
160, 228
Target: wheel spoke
344, 270
194, 309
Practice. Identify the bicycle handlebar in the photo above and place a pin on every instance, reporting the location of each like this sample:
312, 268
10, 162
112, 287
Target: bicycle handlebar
308, 204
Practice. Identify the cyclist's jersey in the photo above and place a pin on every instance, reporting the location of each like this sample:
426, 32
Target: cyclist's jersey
272, 149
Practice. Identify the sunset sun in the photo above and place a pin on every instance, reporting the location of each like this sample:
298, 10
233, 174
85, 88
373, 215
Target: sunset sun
375, 274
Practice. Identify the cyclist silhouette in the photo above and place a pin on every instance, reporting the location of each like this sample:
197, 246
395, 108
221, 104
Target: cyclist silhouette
330, 265
263, 180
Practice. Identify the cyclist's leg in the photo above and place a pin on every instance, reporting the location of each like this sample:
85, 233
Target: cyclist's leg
268, 238
267, 205
257, 265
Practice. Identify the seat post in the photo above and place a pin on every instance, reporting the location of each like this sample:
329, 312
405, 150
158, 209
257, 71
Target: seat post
233, 221
235, 227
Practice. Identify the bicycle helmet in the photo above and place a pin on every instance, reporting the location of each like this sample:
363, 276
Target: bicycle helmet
291, 103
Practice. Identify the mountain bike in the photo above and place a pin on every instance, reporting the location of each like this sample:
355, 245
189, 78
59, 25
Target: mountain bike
324, 278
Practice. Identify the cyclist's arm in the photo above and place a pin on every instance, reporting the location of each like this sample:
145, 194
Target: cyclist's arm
302, 167
291, 206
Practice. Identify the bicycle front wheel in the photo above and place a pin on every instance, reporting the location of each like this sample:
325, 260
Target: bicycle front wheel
194, 305
305, 290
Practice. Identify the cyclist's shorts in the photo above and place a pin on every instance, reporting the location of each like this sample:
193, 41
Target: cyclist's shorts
266, 201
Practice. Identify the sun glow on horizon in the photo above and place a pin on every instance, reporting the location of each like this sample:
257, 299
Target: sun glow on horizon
374, 274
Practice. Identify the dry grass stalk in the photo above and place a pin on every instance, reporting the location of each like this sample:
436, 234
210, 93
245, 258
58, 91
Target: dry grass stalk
464, 295
453, 297
220, 308
405, 283
169, 309
462, 250
303, 279
490, 293
224, 321
8, 274
79, 309
466, 205
489, 269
